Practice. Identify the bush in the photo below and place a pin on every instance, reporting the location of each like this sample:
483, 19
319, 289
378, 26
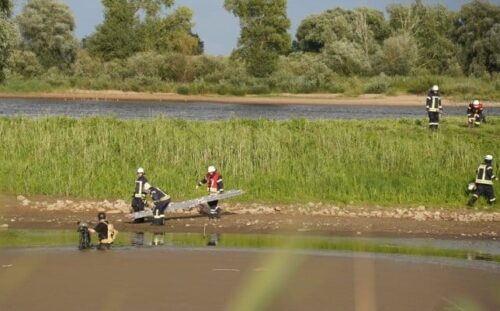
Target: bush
377, 85
259, 89
24, 63
183, 90
421, 84
147, 64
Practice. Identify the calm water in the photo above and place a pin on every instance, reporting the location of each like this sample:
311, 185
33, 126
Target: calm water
212, 111
463, 249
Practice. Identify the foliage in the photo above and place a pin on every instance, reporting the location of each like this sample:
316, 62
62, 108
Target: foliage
477, 31
24, 63
47, 30
7, 35
430, 28
171, 33
273, 161
347, 58
398, 55
117, 36
6, 7
8, 39
263, 36
363, 27
132, 26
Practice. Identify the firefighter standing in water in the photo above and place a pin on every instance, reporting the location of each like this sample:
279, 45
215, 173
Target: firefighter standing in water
484, 182
215, 185
434, 107
161, 201
475, 113
106, 232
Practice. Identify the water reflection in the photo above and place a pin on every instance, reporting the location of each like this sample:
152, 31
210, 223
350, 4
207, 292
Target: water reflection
465, 249
137, 239
213, 239
158, 239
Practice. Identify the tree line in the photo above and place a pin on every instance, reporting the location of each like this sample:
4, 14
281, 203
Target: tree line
143, 44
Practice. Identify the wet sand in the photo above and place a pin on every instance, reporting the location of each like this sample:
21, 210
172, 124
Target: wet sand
216, 279
303, 99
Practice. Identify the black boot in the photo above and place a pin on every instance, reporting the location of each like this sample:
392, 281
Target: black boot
471, 202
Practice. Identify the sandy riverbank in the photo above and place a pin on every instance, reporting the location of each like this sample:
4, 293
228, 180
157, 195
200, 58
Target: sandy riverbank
302, 99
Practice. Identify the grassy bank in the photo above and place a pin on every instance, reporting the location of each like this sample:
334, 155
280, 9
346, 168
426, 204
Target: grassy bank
371, 161
459, 88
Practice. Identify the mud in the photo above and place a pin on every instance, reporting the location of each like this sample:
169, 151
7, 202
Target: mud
51, 213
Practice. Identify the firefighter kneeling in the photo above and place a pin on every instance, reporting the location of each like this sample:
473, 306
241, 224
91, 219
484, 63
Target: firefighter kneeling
484, 182
161, 201
475, 113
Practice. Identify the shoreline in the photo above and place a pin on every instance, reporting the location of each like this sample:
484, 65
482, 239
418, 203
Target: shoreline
252, 218
281, 99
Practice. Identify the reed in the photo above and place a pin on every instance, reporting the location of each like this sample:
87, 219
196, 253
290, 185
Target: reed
331, 161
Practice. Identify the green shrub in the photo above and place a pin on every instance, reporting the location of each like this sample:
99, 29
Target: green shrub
183, 90
377, 85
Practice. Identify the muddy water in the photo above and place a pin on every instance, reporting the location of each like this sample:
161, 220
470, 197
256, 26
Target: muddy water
207, 279
212, 111
163, 271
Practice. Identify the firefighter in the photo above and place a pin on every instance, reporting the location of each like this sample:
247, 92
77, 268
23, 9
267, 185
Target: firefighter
434, 107
215, 185
484, 182
161, 200
139, 196
106, 232
475, 113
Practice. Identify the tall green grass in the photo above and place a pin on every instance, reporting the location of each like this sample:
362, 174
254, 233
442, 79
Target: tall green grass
369, 161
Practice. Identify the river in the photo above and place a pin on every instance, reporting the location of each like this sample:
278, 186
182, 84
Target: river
212, 111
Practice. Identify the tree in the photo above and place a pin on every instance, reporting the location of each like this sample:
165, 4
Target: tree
6, 7
398, 55
347, 39
132, 26
476, 30
263, 37
363, 26
47, 30
171, 33
8, 35
117, 36
430, 26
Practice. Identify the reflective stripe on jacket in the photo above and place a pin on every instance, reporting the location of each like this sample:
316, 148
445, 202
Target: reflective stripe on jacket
484, 175
434, 103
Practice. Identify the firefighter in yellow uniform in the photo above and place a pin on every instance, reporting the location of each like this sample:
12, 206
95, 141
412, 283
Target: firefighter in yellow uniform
484, 182
434, 107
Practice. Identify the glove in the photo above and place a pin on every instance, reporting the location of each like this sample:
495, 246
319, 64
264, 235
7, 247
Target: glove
220, 191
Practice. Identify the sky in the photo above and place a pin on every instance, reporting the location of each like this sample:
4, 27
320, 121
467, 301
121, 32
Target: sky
219, 29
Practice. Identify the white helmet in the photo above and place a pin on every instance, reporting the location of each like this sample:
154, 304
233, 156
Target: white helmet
435, 88
471, 186
140, 170
211, 169
488, 157
475, 103
147, 186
